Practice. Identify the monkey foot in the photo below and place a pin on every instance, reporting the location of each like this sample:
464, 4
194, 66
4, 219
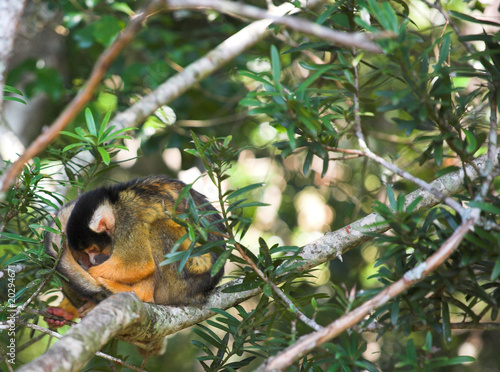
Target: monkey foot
57, 311
84, 310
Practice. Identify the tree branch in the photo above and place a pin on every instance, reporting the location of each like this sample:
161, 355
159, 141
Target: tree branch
79, 102
334, 244
309, 342
10, 13
348, 39
45, 331
124, 316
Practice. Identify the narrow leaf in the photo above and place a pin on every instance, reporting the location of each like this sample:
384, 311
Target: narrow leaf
275, 64
90, 122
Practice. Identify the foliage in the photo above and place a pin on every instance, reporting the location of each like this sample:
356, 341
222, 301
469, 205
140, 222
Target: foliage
428, 103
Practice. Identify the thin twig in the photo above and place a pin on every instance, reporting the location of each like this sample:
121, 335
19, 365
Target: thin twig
376, 327
344, 151
347, 157
32, 341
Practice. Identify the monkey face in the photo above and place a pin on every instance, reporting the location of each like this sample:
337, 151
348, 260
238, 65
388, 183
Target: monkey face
92, 256
97, 254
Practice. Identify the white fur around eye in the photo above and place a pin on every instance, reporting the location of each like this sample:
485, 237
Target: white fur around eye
103, 219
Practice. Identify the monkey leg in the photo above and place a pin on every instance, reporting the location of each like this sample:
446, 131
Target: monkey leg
115, 270
144, 289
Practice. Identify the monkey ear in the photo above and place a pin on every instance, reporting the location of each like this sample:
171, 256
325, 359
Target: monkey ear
103, 219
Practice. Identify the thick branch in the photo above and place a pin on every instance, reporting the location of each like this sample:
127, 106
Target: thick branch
347, 39
45, 332
124, 316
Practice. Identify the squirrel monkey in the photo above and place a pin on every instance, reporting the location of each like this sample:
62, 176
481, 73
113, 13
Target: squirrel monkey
117, 236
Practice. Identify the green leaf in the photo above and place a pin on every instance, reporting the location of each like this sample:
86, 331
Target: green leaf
438, 153
444, 362
444, 51
69, 147
73, 135
231, 320
33, 283
275, 64
471, 141
395, 312
312, 78
244, 190
265, 252
487, 207
19, 238
183, 195
103, 125
90, 122
308, 162
116, 134
411, 352
314, 304
221, 260
106, 29
268, 291
468, 18
10, 89
15, 99
390, 17
246, 205
245, 286
104, 154
445, 314
202, 347
496, 270
428, 342
233, 366
254, 76
211, 340
390, 196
